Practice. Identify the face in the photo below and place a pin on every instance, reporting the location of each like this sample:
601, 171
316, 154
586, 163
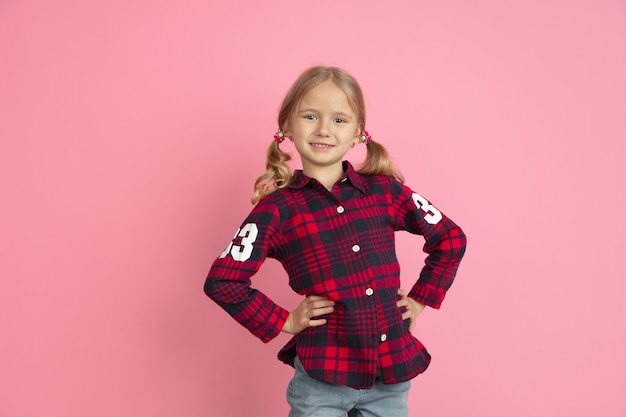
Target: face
323, 128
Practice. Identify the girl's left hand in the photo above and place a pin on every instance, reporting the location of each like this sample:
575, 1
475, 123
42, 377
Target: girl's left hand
413, 308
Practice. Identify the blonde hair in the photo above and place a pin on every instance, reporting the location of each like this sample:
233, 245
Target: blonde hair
278, 174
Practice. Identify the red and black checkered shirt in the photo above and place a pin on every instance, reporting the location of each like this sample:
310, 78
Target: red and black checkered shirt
340, 244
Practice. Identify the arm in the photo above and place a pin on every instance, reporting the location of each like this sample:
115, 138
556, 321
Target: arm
445, 245
228, 281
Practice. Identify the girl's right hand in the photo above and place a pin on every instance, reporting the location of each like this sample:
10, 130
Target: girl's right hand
304, 315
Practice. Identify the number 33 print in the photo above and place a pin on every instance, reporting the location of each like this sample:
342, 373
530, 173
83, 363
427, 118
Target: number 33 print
433, 216
242, 252
249, 232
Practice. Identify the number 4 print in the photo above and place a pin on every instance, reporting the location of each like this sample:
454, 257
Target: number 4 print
242, 252
433, 216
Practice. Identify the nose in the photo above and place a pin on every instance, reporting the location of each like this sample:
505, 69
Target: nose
324, 128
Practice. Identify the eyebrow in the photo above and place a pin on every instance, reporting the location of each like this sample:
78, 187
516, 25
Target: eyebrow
340, 113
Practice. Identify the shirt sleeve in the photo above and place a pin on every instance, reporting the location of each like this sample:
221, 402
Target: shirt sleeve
445, 244
228, 281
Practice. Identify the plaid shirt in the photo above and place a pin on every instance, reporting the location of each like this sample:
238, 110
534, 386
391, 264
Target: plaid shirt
340, 244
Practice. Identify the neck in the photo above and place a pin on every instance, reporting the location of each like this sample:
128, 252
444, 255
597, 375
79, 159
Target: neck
327, 176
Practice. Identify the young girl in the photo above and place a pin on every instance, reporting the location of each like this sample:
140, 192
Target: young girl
332, 228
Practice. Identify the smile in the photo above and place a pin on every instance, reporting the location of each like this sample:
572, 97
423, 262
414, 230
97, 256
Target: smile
321, 146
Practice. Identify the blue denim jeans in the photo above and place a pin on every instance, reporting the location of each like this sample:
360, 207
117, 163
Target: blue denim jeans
309, 397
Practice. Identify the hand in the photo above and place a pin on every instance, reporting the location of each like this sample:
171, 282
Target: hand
304, 315
413, 308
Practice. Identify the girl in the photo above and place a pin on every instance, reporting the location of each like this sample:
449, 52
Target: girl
332, 228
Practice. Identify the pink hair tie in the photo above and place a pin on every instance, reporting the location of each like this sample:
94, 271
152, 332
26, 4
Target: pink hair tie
365, 137
279, 136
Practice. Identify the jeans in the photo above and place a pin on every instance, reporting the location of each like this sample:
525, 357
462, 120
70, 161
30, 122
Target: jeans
309, 397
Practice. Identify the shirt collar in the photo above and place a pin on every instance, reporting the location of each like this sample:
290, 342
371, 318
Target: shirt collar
300, 180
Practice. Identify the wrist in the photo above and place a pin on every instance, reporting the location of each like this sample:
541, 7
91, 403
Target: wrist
417, 306
288, 325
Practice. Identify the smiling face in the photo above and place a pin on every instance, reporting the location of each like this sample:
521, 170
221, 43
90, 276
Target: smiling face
323, 127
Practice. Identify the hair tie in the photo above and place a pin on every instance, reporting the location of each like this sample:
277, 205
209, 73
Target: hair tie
279, 136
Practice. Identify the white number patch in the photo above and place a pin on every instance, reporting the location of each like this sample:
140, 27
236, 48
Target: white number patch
242, 252
433, 216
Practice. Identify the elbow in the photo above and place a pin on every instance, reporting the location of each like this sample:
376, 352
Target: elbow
463, 239
458, 242
209, 287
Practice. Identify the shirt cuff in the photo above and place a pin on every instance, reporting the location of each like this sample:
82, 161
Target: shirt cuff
273, 326
427, 294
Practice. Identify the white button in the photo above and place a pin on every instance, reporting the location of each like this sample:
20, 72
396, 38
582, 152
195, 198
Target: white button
383, 337
356, 248
369, 292
340, 209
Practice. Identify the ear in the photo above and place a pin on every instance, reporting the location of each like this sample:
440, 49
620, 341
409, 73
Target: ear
287, 133
357, 136
359, 131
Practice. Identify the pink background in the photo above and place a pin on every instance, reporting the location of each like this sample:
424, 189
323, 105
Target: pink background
132, 132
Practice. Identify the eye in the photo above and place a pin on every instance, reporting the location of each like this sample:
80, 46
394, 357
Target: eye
310, 117
340, 120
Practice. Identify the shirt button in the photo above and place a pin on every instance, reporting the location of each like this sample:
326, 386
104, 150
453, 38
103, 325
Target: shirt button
369, 292
383, 337
340, 209
356, 248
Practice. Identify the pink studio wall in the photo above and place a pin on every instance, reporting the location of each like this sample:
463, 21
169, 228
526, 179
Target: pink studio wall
131, 132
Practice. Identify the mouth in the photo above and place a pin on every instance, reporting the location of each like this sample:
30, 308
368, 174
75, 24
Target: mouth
321, 146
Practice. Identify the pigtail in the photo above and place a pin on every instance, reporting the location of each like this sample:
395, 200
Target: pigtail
277, 174
378, 162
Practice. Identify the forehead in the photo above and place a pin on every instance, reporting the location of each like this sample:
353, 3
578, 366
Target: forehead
326, 96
